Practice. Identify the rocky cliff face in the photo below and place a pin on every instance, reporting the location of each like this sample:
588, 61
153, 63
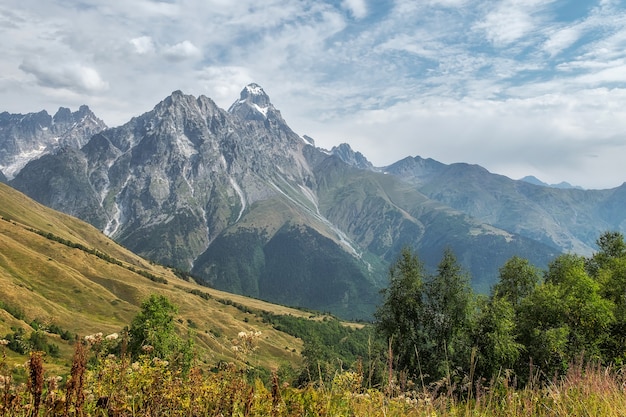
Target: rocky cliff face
247, 205
24, 137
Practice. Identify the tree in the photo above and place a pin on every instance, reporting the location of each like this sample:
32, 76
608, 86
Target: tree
448, 313
612, 246
517, 280
426, 320
152, 332
400, 318
608, 267
495, 337
565, 317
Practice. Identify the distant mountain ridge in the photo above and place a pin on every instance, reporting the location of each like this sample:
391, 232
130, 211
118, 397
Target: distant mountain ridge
534, 180
249, 206
24, 137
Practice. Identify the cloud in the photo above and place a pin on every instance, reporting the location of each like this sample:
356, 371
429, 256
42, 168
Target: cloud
181, 51
509, 84
223, 84
143, 45
561, 39
73, 76
357, 8
505, 26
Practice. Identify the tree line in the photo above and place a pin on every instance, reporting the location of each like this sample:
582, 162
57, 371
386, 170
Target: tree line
533, 323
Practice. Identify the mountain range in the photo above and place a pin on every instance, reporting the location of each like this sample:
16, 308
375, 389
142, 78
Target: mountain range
247, 205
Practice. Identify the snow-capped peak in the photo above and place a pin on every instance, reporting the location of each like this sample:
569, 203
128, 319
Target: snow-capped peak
254, 89
252, 101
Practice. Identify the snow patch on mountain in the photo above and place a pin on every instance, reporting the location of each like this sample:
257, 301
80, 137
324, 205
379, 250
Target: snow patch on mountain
116, 219
242, 197
341, 236
310, 196
262, 110
255, 90
20, 160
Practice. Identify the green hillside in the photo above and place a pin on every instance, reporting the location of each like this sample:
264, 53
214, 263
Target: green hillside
64, 274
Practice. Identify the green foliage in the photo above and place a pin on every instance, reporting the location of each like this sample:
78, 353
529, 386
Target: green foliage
35, 341
608, 267
330, 347
439, 331
152, 332
495, 337
400, 319
15, 311
448, 303
427, 320
517, 280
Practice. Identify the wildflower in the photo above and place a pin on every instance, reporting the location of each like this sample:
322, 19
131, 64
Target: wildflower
4, 342
147, 348
53, 382
92, 339
112, 336
241, 335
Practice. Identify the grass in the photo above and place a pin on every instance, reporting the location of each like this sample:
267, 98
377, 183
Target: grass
151, 387
84, 293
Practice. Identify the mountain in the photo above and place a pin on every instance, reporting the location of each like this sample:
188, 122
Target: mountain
356, 159
248, 206
24, 137
534, 180
58, 270
568, 219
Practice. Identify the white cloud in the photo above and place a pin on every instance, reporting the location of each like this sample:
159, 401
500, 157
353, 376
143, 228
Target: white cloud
553, 135
506, 25
181, 51
143, 45
358, 8
73, 76
223, 84
561, 40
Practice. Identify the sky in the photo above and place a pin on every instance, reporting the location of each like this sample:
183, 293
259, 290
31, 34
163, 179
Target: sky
520, 87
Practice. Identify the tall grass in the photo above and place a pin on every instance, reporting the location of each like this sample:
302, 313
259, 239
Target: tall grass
152, 387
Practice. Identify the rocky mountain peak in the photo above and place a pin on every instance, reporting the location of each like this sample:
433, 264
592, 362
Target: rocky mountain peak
255, 94
63, 115
24, 137
349, 156
254, 104
176, 99
83, 115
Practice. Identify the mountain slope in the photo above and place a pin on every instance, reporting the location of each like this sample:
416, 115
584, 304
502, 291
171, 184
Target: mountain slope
566, 219
384, 215
72, 287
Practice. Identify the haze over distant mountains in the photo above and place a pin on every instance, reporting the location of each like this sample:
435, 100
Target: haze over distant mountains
249, 206
534, 180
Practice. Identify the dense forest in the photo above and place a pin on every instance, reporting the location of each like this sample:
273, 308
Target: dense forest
541, 343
